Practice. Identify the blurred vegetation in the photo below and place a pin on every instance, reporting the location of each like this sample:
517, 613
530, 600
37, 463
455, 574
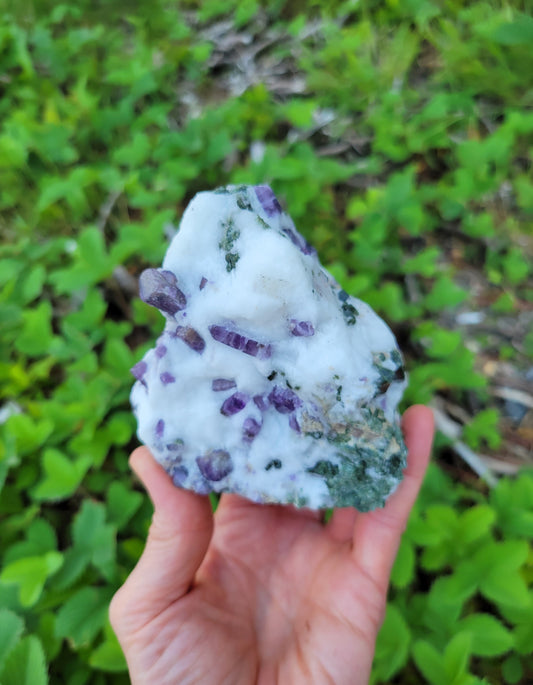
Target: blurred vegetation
399, 136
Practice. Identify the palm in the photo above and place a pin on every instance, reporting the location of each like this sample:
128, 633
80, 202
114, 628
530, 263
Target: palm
277, 597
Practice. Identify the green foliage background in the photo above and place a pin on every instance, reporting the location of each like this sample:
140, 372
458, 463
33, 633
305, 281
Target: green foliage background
399, 135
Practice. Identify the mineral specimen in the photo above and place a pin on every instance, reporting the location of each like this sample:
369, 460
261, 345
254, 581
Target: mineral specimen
268, 380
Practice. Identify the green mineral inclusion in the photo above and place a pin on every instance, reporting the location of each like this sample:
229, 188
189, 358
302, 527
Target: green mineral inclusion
231, 235
363, 476
350, 313
231, 260
387, 375
352, 485
243, 202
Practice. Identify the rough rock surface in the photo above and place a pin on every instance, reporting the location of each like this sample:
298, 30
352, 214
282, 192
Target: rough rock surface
269, 380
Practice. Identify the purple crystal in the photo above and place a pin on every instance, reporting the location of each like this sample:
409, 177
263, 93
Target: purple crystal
160, 351
190, 337
255, 349
293, 423
234, 403
215, 465
203, 282
175, 447
158, 288
250, 429
239, 342
139, 370
179, 475
167, 378
262, 402
303, 329
284, 400
298, 240
268, 200
219, 384
159, 428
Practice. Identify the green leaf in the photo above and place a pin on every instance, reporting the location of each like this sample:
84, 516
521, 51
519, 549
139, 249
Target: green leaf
82, 617
40, 538
512, 670
403, 570
505, 588
438, 525
91, 264
13, 153
484, 428
120, 428
51, 142
135, 152
36, 335
91, 246
91, 313
446, 598
512, 500
108, 656
476, 522
75, 562
430, 663
516, 265
489, 636
456, 656
300, 112
32, 285
500, 557
389, 298
435, 558
11, 627
30, 574
62, 475
392, 647
29, 434
26, 664
89, 519
56, 189
118, 357
439, 342
52, 645
517, 32
122, 503
92, 535
445, 293
479, 225
523, 634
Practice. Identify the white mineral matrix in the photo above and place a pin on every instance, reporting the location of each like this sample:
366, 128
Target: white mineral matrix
268, 380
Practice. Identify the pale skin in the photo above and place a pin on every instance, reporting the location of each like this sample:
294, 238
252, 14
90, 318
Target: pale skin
261, 594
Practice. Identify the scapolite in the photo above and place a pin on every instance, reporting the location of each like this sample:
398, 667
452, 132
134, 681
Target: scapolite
268, 380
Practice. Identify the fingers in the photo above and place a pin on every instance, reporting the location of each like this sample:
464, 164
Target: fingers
178, 539
341, 524
377, 534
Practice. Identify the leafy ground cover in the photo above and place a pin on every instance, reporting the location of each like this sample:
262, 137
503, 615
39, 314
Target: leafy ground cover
399, 135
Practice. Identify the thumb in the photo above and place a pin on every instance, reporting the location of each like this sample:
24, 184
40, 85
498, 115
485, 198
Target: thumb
377, 534
180, 533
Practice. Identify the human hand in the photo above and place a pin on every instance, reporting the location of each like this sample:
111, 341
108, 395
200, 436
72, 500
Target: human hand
261, 593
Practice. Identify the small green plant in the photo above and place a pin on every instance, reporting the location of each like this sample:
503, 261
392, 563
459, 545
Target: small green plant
475, 618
